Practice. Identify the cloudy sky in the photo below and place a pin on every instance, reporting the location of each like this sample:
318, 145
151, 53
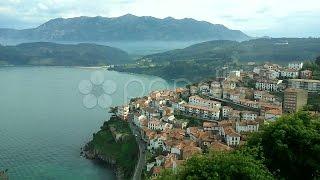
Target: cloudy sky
275, 18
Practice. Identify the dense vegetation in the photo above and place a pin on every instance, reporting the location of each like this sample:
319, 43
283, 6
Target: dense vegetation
124, 28
125, 151
189, 70
219, 165
290, 147
286, 149
52, 54
280, 50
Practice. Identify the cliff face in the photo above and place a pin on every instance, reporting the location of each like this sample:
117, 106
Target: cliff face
94, 154
119, 153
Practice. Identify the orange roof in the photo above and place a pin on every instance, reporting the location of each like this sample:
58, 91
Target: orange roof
231, 132
208, 124
274, 112
218, 146
201, 108
190, 151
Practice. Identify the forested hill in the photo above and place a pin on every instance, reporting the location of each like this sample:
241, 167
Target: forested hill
124, 28
44, 53
265, 49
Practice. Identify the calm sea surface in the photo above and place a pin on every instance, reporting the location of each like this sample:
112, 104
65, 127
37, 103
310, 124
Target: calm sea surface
44, 120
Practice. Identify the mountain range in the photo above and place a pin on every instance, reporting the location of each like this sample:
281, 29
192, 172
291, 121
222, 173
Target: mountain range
124, 28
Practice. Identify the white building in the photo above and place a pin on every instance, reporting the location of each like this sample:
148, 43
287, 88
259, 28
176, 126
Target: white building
139, 120
248, 115
204, 88
226, 110
247, 126
123, 112
264, 96
234, 73
307, 84
295, 65
289, 73
215, 84
198, 101
232, 138
203, 112
269, 85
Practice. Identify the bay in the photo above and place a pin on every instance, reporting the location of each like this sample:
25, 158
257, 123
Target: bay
45, 119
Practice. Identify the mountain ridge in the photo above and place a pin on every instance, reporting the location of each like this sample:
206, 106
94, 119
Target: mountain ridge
125, 28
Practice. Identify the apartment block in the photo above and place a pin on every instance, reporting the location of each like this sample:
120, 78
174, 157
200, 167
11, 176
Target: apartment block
294, 99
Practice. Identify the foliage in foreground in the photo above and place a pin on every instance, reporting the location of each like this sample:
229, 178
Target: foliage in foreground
290, 147
219, 165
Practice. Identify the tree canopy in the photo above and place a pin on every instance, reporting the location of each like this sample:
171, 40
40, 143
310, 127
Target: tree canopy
219, 165
290, 147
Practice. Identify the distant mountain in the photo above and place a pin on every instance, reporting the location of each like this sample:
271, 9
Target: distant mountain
264, 49
125, 28
43, 53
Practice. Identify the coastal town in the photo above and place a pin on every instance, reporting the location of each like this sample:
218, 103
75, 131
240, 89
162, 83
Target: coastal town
215, 114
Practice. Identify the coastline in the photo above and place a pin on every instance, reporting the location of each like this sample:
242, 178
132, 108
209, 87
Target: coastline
114, 145
109, 161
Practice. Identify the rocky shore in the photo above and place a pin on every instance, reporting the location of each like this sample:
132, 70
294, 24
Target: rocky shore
93, 154
114, 145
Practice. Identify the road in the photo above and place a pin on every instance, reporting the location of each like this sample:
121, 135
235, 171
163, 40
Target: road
142, 156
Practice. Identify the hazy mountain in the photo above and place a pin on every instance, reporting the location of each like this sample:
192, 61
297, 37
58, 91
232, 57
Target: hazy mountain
125, 28
264, 49
43, 53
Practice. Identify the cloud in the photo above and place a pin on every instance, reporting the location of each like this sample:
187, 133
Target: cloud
256, 17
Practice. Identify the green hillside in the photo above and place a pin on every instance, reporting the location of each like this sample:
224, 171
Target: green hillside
44, 53
271, 49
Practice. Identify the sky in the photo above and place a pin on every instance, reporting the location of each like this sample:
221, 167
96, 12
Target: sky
276, 18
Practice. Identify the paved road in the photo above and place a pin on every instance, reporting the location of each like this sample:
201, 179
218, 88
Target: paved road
142, 156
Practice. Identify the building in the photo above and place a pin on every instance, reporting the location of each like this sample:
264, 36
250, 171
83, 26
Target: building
272, 114
264, 96
306, 74
123, 112
289, 73
247, 126
198, 101
269, 85
306, 84
232, 138
294, 99
248, 115
234, 74
201, 111
295, 65
226, 111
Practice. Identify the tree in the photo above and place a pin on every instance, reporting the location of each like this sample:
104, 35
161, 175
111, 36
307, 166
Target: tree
219, 165
318, 60
290, 147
